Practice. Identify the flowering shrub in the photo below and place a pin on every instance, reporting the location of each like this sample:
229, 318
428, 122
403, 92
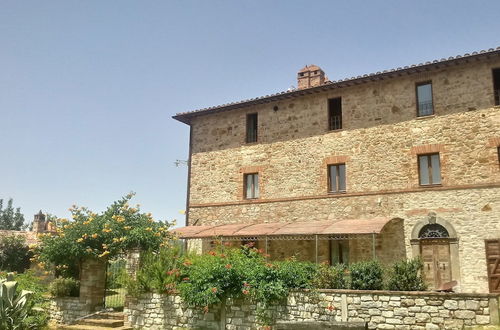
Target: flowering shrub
241, 273
105, 235
159, 271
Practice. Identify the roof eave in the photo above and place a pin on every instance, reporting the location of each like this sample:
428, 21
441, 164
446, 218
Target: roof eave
342, 83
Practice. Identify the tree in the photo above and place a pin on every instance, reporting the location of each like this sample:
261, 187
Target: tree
14, 254
100, 235
10, 218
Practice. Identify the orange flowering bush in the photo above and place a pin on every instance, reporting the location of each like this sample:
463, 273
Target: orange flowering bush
100, 235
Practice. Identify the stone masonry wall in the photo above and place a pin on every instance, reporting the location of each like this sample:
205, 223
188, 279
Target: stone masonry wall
379, 142
66, 310
380, 310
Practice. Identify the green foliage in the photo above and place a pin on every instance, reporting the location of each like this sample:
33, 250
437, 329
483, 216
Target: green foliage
14, 254
105, 235
10, 218
64, 287
15, 307
366, 275
331, 277
241, 273
406, 275
158, 272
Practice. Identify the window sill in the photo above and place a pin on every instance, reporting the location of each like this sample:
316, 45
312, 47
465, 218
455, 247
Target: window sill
430, 185
337, 192
426, 117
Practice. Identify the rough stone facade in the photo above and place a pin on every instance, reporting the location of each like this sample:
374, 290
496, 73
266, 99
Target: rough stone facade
380, 310
67, 310
379, 142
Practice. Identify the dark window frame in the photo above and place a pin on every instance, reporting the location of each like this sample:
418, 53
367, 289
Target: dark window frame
496, 88
423, 83
255, 193
334, 125
337, 183
252, 127
429, 169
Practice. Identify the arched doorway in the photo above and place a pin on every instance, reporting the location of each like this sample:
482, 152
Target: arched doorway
435, 252
435, 241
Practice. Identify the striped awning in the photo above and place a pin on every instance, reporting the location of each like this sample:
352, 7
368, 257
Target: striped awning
333, 227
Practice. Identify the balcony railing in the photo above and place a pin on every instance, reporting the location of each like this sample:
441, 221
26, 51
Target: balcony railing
425, 108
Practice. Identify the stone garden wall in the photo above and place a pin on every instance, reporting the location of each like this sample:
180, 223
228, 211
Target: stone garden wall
379, 309
67, 309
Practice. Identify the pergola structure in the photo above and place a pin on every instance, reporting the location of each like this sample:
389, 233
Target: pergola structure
310, 231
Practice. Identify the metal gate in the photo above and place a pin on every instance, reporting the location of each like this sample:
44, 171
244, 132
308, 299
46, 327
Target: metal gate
492, 263
114, 296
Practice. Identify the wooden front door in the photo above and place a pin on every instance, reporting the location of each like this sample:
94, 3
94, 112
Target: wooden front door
492, 262
436, 257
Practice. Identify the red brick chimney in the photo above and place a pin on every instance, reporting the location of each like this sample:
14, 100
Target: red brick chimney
310, 76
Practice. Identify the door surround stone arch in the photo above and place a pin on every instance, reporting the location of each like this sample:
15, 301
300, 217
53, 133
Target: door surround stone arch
432, 218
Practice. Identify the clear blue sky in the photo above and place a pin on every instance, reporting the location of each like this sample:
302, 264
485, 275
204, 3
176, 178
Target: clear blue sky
88, 88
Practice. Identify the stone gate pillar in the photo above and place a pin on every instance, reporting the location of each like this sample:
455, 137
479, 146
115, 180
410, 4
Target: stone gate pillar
133, 259
93, 283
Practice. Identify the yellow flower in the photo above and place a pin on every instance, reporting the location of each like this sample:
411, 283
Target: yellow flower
46, 273
90, 219
149, 229
86, 222
106, 230
133, 210
115, 240
127, 227
157, 234
105, 246
104, 254
89, 250
85, 236
62, 235
79, 240
122, 238
95, 235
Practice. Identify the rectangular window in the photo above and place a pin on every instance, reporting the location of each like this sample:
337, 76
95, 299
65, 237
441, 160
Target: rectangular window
335, 113
424, 99
429, 169
251, 185
496, 85
336, 178
339, 252
252, 124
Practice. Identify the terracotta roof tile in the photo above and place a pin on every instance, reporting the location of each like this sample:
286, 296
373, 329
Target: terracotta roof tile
334, 227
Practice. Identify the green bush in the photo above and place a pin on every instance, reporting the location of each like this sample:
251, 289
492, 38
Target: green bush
331, 277
241, 273
366, 275
14, 254
154, 274
64, 287
406, 275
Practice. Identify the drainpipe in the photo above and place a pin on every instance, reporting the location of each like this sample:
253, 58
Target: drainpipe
373, 247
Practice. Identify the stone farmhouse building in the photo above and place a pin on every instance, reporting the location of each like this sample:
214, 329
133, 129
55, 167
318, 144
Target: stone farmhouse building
392, 165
